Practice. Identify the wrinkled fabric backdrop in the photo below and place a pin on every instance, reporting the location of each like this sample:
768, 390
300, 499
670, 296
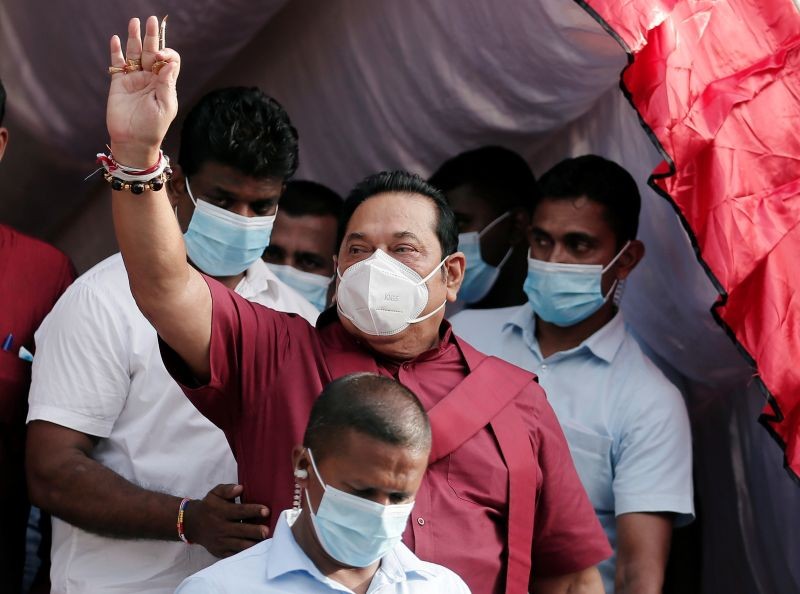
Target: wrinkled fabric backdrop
379, 85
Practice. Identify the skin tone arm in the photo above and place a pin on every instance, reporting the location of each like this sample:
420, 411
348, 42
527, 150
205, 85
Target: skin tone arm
64, 480
642, 550
587, 581
141, 106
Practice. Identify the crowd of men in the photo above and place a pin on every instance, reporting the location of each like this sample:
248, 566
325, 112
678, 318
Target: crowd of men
425, 386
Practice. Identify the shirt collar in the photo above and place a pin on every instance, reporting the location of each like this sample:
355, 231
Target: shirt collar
256, 280
603, 344
286, 556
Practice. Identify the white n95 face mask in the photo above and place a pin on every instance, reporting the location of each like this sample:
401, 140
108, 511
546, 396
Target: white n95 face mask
382, 296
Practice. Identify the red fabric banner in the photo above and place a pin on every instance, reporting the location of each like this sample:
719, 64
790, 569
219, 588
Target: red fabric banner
718, 85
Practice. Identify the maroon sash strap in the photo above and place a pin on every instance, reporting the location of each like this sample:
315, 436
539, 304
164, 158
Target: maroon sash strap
515, 444
481, 399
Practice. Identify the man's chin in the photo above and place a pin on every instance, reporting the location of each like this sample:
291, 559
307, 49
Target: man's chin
397, 347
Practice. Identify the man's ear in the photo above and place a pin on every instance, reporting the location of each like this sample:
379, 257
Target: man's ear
629, 259
176, 186
454, 268
300, 463
520, 222
3, 141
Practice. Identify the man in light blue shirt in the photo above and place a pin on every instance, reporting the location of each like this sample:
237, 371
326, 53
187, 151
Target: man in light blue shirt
364, 454
626, 424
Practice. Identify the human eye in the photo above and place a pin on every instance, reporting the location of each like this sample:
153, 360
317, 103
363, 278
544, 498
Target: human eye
263, 207
217, 201
541, 239
580, 245
273, 253
309, 263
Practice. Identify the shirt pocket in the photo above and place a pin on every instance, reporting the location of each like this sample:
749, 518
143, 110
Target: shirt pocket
591, 454
476, 472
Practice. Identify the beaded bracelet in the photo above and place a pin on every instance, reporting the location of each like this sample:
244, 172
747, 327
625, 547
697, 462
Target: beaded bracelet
122, 177
181, 510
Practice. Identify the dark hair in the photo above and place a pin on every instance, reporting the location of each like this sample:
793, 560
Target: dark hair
303, 197
403, 182
2, 102
372, 405
601, 181
499, 175
243, 128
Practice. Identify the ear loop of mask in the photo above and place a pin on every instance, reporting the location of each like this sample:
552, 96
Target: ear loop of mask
189, 190
489, 227
438, 309
616, 284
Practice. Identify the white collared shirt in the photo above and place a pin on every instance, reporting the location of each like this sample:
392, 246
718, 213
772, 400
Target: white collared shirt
98, 370
625, 423
279, 565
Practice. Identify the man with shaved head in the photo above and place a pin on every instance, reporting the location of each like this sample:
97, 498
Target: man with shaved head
500, 503
363, 457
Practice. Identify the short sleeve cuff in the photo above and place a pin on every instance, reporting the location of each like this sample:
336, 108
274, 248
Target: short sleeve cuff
681, 506
71, 420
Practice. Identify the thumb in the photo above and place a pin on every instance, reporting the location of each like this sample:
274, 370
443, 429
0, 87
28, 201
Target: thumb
227, 491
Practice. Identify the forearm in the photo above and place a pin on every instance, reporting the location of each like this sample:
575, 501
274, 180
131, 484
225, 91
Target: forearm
152, 247
88, 495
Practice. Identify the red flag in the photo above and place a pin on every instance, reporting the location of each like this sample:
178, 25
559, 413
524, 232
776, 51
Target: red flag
718, 85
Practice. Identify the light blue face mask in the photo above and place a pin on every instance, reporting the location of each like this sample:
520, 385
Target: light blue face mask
355, 531
223, 243
566, 294
479, 277
314, 287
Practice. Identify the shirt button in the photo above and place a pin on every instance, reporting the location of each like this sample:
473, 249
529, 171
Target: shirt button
543, 367
421, 521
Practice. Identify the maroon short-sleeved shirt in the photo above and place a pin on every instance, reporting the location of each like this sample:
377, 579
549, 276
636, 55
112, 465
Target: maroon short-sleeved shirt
32, 277
268, 367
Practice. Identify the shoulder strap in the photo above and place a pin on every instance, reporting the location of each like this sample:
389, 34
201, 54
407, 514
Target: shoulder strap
482, 399
474, 402
517, 448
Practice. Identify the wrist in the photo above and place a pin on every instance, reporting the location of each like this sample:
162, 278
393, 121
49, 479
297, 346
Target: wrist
136, 156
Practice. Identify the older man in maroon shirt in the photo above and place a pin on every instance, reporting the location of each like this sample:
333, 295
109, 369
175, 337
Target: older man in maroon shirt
501, 503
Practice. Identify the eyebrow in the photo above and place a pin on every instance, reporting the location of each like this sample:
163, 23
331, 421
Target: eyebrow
358, 236
406, 235
354, 236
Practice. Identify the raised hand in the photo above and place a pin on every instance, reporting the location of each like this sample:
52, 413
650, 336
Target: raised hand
221, 525
141, 104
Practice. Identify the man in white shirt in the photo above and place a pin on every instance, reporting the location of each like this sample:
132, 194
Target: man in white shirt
114, 447
364, 453
626, 424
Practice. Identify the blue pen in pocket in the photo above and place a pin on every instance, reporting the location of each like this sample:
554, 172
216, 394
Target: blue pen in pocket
25, 354
8, 342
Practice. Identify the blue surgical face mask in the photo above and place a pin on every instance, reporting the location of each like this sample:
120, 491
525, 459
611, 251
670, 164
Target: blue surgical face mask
479, 277
223, 243
566, 294
355, 531
314, 287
